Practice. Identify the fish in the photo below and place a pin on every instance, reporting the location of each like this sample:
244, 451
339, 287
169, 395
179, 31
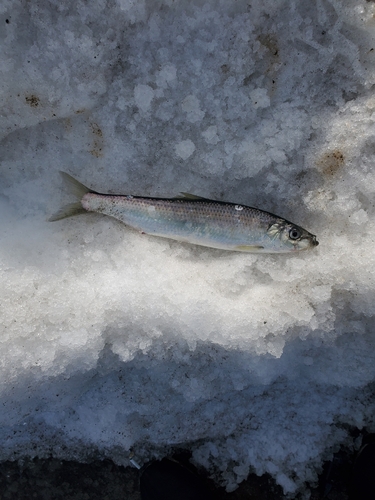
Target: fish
192, 219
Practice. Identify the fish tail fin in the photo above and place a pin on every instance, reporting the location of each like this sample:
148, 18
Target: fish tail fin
78, 190
68, 211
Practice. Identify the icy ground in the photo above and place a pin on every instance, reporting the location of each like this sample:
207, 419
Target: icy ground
112, 340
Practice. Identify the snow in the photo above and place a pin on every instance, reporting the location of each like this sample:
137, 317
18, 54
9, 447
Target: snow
143, 95
184, 149
111, 340
259, 98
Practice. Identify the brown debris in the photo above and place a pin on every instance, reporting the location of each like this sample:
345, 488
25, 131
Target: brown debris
331, 162
32, 100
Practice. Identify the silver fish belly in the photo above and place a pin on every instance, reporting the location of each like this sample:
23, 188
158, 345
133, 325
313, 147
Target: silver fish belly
194, 220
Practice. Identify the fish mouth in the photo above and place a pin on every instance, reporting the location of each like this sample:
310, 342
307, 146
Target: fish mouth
309, 241
314, 242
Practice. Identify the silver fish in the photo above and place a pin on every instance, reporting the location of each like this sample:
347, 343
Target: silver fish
195, 220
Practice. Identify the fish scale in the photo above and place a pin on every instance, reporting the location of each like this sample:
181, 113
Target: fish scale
194, 220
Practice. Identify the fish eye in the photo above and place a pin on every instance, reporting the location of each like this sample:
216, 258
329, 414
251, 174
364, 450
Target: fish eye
294, 233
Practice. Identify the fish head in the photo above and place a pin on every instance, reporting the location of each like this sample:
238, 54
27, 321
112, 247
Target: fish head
289, 237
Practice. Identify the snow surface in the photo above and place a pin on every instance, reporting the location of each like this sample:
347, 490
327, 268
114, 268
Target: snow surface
112, 340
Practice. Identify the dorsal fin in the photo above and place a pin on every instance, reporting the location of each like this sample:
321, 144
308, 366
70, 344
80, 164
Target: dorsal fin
188, 196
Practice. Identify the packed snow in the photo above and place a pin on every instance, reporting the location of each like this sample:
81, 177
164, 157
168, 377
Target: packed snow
111, 340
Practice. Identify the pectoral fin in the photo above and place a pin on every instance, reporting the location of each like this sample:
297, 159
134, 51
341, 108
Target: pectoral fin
249, 248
